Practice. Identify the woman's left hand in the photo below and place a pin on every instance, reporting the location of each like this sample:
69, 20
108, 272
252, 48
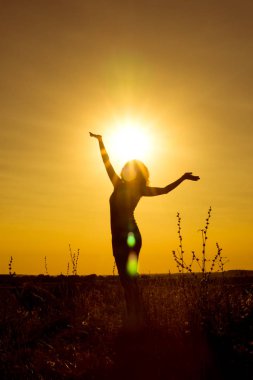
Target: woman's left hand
190, 176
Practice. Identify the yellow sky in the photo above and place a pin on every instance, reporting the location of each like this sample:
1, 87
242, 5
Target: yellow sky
185, 67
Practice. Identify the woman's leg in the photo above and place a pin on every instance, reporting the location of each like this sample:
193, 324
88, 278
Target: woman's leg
130, 286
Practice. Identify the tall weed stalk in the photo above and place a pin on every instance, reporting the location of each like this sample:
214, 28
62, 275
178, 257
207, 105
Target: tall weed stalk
74, 260
217, 262
198, 287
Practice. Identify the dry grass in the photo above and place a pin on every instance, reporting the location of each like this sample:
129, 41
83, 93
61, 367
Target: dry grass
71, 328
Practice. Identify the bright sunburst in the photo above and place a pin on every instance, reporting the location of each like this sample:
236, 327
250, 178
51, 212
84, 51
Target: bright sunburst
130, 139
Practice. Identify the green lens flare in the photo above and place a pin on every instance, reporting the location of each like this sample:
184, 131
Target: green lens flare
132, 264
131, 240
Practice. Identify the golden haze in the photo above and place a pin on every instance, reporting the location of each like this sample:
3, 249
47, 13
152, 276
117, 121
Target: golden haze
67, 69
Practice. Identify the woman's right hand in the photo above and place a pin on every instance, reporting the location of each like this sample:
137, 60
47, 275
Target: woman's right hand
99, 137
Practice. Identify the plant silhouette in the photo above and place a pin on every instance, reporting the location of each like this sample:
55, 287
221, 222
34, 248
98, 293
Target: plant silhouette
129, 187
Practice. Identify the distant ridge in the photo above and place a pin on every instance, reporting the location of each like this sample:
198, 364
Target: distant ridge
228, 273
238, 272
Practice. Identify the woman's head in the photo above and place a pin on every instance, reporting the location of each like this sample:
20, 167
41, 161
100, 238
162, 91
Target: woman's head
135, 171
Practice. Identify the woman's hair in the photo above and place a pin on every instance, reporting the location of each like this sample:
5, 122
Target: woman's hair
135, 169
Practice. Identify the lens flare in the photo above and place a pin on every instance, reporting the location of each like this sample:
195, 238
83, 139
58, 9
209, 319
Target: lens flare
132, 264
131, 241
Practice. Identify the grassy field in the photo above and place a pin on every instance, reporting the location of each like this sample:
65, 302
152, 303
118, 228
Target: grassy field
74, 328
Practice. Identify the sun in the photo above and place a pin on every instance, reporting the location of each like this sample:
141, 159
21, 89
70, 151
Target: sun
130, 139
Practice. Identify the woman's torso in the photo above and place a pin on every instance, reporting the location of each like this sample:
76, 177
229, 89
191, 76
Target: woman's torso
123, 202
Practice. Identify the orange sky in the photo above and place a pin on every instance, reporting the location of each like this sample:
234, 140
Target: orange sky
70, 67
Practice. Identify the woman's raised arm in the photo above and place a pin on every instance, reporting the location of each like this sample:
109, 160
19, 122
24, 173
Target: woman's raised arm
153, 191
109, 168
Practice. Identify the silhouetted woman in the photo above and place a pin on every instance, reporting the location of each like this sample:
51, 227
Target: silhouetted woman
129, 187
